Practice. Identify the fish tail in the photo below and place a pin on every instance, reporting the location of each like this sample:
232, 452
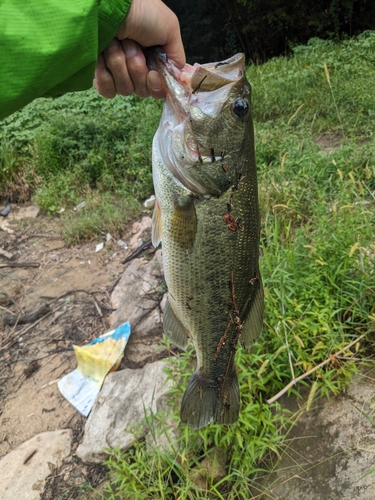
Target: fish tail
205, 401
228, 402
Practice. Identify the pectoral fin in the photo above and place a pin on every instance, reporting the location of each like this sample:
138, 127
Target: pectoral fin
253, 324
173, 328
156, 231
184, 222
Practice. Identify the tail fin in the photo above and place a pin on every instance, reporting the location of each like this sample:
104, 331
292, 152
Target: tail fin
205, 402
228, 402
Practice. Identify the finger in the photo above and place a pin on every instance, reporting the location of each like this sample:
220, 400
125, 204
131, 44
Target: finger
116, 63
155, 85
103, 81
136, 66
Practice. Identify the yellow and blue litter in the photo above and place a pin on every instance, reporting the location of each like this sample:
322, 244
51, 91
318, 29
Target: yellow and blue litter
95, 360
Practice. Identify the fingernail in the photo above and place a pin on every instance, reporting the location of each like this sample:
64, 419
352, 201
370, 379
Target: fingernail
130, 47
154, 80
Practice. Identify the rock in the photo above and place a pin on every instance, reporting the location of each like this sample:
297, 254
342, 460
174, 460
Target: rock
122, 244
140, 229
211, 470
6, 211
137, 298
7, 255
330, 450
150, 202
31, 211
99, 247
4, 226
118, 413
24, 470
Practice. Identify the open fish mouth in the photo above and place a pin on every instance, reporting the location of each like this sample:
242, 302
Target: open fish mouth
196, 96
205, 86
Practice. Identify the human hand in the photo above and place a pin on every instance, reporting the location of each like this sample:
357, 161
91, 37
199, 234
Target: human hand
121, 68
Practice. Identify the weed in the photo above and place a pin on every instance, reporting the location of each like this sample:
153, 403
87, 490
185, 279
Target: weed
102, 213
78, 491
78, 145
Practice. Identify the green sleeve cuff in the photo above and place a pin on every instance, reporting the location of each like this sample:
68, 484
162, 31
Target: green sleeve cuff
111, 15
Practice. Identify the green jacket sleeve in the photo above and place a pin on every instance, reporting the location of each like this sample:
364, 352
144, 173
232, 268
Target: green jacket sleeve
51, 47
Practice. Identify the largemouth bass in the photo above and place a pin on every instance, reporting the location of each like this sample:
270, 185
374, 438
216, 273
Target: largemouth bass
207, 217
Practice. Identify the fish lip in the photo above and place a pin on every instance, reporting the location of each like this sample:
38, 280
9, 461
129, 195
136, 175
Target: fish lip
184, 85
153, 55
178, 92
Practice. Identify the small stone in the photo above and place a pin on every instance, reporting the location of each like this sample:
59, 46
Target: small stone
6, 210
122, 244
99, 247
140, 229
4, 226
150, 202
6, 254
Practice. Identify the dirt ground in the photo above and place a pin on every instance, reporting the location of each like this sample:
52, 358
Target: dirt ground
72, 286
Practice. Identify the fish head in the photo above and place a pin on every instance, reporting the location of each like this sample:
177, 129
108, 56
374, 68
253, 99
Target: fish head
206, 124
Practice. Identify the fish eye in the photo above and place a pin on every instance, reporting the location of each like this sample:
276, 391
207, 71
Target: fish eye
240, 107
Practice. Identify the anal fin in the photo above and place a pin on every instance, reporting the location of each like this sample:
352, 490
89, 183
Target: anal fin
174, 329
253, 324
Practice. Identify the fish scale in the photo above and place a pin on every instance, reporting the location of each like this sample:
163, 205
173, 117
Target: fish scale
207, 218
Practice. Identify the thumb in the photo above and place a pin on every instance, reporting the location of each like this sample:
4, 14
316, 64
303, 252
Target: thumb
151, 22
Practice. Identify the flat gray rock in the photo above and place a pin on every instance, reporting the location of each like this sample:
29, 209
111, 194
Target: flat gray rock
332, 448
138, 298
24, 212
24, 470
119, 411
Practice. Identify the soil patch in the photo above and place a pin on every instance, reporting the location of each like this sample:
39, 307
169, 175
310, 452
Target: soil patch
73, 285
329, 143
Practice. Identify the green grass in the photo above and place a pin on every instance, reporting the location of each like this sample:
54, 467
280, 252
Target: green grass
80, 147
317, 241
